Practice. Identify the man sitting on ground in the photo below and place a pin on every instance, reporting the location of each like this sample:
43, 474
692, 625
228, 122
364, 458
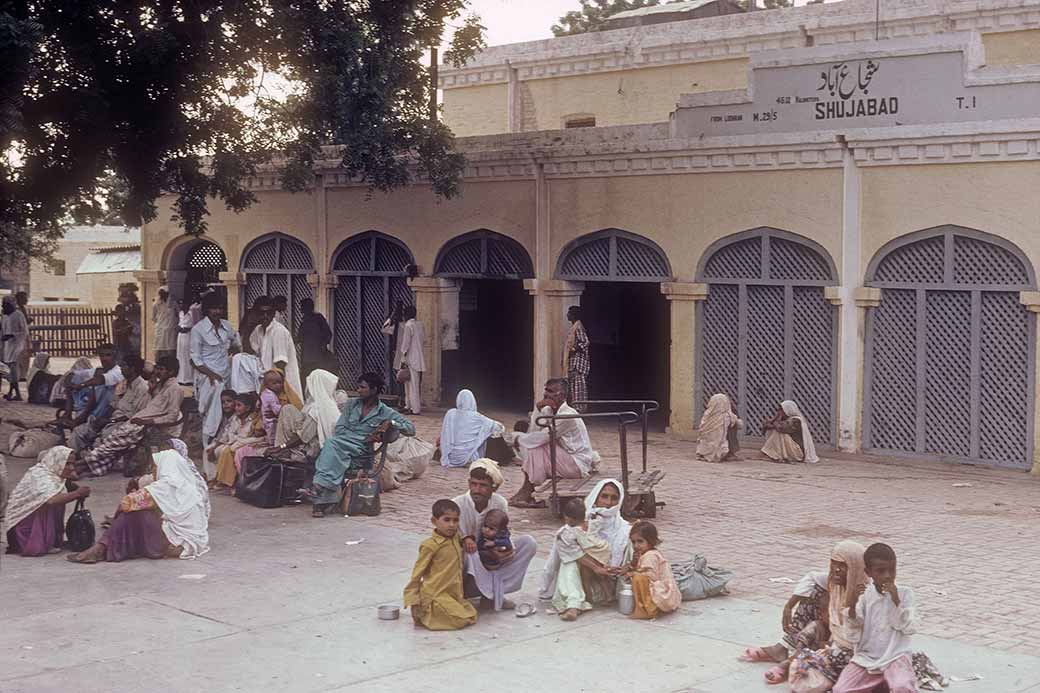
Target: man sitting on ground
90, 393
163, 409
575, 457
133, 399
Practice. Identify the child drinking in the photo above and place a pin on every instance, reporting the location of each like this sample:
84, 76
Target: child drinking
494, 538
576, 548
434, 593
885, 617
653, 584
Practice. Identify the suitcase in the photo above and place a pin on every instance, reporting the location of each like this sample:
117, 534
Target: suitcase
267, 483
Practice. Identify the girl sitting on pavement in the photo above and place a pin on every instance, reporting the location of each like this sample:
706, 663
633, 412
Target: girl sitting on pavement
575, 546
653, 584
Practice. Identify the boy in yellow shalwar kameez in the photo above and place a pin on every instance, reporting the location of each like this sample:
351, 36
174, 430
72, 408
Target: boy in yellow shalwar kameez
434, 593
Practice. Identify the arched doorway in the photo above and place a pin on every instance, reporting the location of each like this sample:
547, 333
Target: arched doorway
277, 265
193, 266
495, 356
372, 272
625, 314
766, 333
950, 350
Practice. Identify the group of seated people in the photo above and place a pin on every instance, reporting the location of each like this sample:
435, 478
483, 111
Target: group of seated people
788, 436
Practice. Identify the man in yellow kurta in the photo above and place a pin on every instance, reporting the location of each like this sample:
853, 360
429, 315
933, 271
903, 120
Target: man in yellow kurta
434, 592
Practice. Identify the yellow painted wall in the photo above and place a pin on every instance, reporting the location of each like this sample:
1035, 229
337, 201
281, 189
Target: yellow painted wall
1012, 47
998, 198
477, 110
625, 97
425, 222
685, 214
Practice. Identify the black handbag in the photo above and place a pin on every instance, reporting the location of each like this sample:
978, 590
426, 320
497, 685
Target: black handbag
79, 529
267, 483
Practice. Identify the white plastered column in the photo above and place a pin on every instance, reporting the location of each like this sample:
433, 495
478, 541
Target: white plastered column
682, 301
552, 297
1031, 300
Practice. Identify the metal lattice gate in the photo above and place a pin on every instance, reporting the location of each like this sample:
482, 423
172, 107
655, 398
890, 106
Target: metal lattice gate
950, 350
766, 333
613, 256
276, 265
205, 263
372, 273
483, 255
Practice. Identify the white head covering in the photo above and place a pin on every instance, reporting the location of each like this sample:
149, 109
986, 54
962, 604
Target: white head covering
713, 444
492, 469
321, 402
808, 447
181, 494
608, 524
41, 362
464, 432
41, 482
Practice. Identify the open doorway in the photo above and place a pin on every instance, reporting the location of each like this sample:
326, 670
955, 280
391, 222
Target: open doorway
630, 334
495, 358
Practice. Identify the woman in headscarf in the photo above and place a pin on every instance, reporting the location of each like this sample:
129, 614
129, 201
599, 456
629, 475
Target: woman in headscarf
789, 439
603, 507
465, 432
718, 431
36, 511
166, 518
301, 432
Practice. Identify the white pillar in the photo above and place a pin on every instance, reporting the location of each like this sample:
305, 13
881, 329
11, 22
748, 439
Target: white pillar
1031, 300
850, 333
551, 300
683, 297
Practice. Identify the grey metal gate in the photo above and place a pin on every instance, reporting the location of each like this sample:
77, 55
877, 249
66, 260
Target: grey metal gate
483, 255
766, 332
277, 265
613, 255
950, 350
372, 272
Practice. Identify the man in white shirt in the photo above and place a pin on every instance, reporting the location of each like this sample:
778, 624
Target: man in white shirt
412, 337
273, 343
165, 317
575, 457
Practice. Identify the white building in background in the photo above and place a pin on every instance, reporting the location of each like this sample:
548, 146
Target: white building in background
87, 268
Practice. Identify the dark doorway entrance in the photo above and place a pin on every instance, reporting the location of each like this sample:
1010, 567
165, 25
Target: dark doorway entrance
629, 327
495, 358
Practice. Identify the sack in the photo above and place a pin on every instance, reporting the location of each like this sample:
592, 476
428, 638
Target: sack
79, 530
697, 580
404, 374
267, 483
31, 443
408, 457
810, 681
362, 497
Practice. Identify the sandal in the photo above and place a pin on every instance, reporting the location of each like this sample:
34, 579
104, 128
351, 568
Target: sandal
776, 675
755, 654
528, 504
78, 558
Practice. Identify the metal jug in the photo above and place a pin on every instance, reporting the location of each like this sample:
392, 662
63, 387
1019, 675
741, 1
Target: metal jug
626, 601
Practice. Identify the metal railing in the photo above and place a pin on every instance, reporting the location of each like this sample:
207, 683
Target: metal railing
646, 407
549, 421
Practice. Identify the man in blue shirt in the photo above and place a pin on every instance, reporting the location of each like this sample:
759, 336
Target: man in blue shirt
349, 451
210, 342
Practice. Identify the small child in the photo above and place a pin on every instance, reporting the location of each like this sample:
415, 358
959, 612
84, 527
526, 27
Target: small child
653, 584
886, 617
494, 538
434, 592
572, 544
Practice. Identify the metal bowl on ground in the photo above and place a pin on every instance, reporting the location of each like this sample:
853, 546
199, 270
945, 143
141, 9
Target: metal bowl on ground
388, 612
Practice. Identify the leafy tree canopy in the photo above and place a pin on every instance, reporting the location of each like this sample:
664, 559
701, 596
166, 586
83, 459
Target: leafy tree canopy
594, 13
105, 105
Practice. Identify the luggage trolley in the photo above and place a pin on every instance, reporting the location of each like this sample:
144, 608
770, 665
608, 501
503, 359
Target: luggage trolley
640, 500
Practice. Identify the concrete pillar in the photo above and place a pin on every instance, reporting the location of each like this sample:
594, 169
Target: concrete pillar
322, 286
433, 295
234, 281
552, 298
852, 320
682, 298
1031, 300
513, 103
150, 281
850, 315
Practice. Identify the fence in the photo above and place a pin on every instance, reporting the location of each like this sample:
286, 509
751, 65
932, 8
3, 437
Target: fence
69, 330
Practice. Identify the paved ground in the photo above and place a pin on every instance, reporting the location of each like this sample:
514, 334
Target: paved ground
285, 602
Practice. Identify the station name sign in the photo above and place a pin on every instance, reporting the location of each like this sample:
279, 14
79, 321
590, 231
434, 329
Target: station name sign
869, 92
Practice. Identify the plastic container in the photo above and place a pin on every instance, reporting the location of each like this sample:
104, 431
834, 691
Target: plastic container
626, 601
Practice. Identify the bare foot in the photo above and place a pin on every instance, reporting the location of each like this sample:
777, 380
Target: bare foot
569, 615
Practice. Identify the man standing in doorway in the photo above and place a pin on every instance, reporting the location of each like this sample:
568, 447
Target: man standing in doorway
412, 337
273, 343
576, 359
314, 336
165, 319
281, 309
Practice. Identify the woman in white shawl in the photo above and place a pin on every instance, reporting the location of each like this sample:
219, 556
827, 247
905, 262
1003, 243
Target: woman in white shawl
465, 432
36, 512
167, 517
789, 439
718, 430
603, 505
301, 432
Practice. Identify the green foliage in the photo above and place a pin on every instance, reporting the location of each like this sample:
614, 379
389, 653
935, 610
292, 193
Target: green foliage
106, 105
